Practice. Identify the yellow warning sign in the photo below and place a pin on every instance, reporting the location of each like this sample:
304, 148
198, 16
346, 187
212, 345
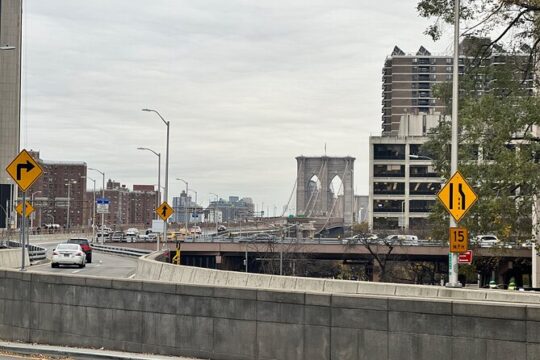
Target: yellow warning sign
29, 208
24, 170
164, 211
459, 240
457, 196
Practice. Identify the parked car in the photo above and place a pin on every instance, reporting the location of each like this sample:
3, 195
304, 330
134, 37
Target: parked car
68, 254
85, 246
117, 236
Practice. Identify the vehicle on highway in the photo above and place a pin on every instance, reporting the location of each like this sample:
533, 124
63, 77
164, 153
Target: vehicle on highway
487, 240
259, 238
405, 240
195, 230
221, 228
152, 236
132, 235
117, 236
85, 246
361, 239
68, 254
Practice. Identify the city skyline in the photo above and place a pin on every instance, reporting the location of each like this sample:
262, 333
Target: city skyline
247, 88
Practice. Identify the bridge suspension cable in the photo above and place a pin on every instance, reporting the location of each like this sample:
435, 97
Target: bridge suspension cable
290, 198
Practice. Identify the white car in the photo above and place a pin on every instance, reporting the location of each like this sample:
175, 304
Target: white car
487, 240
68, 254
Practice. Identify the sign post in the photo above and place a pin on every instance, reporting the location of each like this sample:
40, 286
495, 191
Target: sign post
458, 197
164, 211
24, 170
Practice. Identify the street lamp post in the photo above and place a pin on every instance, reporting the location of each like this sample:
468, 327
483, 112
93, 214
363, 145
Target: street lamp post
103, 197
167, 123
93, 208
70, 182
454, 266
215, 211
32, 201
158, 201
186, 204
192, 190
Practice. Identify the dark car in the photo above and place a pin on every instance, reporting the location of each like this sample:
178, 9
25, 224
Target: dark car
85, 246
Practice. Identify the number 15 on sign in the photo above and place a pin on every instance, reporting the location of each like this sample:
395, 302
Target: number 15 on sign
459, 240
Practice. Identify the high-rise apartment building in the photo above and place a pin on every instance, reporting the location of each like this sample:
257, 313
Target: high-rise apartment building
403, 183
407, 87
10, 98
408, 79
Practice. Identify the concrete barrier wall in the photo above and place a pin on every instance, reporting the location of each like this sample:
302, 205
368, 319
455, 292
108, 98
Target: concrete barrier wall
12, 258
149, 269
231, 323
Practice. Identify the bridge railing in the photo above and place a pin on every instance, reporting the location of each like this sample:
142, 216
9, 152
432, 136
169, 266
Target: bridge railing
35, 253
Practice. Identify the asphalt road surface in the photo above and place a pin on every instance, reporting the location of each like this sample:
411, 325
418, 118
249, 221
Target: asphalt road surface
102, 265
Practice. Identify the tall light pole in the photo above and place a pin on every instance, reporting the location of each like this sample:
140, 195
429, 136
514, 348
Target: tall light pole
93, 208
215, 211
454, 267
70, 182
186, 204
192, 190
158, 200
32, 201
167, 123
103, 197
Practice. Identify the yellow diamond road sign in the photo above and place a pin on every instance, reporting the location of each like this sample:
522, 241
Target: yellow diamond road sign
164, 210
24, 170
29, 209
457, 196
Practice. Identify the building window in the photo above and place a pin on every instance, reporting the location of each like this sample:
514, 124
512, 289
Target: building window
422, 206
389, 170
387, 188
389, 151
430, 188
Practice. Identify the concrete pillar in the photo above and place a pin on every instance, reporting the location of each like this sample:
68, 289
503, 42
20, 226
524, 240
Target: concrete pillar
348, 192
322, 208
300, 186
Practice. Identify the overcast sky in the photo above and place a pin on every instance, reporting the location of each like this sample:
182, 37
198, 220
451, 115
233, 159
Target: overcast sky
246, 85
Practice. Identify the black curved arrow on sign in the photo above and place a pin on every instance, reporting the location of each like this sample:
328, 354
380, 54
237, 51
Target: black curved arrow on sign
28, 166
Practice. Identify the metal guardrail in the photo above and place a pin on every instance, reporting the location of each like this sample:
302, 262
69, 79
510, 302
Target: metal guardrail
121, 250
35, 252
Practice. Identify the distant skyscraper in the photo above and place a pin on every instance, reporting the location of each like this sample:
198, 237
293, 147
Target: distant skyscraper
10, 85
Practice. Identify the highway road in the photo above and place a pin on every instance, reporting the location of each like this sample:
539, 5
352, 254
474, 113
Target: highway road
102, 265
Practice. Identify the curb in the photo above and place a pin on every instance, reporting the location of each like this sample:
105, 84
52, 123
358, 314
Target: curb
79, 353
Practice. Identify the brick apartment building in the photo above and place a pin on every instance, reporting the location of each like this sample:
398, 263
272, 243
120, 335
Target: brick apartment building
126, 207
61, 187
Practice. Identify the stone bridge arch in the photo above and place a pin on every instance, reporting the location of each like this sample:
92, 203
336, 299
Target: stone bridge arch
325, 168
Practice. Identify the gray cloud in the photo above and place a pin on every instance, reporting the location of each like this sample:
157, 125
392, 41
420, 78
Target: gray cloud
247, 86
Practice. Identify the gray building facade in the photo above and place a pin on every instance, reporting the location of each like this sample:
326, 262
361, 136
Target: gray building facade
10, 98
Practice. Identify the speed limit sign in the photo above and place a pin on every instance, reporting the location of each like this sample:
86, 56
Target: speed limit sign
459, 240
